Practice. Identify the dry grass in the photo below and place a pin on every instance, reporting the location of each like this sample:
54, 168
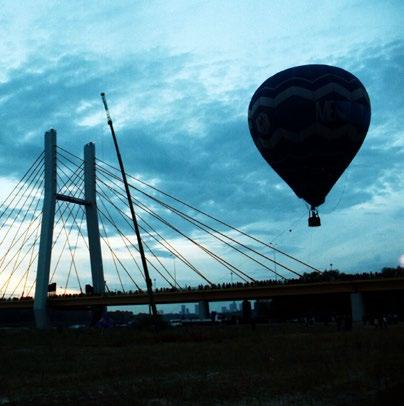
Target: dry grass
202, 365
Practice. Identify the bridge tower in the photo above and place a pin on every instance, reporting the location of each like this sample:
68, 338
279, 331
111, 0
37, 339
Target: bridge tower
48, 216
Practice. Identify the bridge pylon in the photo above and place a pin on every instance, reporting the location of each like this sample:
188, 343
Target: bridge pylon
48, 219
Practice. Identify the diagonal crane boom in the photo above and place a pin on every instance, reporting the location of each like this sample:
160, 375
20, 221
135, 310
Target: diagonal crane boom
152, 304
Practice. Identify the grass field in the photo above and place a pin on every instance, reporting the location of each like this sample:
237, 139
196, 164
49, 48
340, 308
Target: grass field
283, 364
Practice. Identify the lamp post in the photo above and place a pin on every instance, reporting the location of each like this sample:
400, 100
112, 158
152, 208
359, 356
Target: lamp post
175, 272
274, 255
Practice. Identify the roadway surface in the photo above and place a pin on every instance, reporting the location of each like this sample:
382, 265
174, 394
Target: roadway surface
217, 295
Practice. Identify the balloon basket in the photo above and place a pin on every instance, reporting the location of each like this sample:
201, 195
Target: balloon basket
314, 218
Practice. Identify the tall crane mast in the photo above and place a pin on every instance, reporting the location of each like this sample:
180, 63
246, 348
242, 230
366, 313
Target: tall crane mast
152, 304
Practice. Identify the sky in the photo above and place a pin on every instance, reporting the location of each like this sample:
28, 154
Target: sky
179, 76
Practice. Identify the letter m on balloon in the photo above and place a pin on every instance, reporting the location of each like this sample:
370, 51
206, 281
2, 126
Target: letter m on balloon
326, 111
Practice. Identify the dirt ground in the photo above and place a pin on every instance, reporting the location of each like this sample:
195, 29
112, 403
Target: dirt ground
224, 365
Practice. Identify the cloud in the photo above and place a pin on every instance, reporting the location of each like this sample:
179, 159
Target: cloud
180, 115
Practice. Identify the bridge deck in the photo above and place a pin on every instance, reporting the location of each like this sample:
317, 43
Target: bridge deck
217, 295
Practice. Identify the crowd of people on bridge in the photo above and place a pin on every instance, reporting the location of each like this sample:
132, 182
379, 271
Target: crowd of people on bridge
311, 277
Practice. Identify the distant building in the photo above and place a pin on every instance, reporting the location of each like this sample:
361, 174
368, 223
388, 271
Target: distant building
233, 307
196, 309
224, 309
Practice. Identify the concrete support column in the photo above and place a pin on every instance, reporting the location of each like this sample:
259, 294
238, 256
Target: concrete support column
204, 312
45, 245
262, 308
246, 311
357, 306
93, 232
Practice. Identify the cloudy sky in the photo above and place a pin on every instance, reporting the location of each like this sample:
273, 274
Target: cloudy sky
179, 76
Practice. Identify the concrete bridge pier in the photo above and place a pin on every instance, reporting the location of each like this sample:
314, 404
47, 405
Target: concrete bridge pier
48, 218
357, 307
246, 311
204, 312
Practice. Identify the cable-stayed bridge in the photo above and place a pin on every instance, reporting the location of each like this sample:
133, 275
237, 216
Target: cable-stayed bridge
67, 240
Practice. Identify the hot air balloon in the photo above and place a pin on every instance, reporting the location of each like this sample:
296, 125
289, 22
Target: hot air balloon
308, 122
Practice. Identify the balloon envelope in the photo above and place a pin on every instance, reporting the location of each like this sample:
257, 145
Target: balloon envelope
309, 122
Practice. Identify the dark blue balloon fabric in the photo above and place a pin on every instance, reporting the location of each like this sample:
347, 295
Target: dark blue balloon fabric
309, 122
